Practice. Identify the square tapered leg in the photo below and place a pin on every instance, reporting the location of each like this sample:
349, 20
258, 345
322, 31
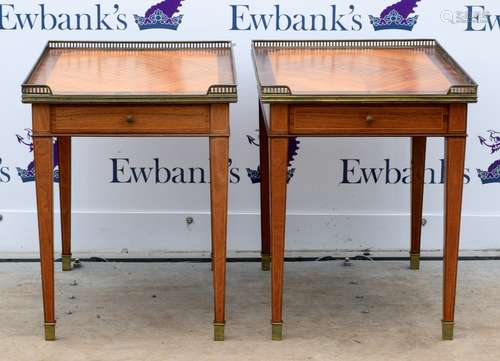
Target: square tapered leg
278, 180
264, 194
219, 173
455, 157
64, 156
278, 177
43, 149
418, 148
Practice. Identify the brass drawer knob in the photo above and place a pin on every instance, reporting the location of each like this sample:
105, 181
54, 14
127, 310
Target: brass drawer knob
130, 119
369, 118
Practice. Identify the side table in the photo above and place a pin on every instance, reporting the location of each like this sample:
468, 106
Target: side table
373, 88
128, 89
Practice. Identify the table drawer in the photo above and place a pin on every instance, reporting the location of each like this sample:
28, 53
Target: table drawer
368, 119
105, 119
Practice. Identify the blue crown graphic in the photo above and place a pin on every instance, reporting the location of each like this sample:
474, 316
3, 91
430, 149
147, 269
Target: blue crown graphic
161, 16
396, 16
393, 20
492, 175
293, 149
28, 175
254, 175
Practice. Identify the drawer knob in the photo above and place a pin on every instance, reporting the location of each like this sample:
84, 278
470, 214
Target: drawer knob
130, 119
369, 118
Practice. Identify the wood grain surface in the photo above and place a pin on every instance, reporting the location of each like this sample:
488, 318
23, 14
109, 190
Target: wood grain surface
124, 72
351, 71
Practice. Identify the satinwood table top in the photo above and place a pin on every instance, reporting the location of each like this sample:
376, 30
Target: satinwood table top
133, 71
339, 71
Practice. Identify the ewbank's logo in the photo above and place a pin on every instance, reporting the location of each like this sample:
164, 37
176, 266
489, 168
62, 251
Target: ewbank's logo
492, 175
397, 16
28, 174
293, 151
161, 16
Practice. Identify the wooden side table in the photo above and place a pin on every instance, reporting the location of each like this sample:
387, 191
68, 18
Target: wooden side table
396, 88
87, 89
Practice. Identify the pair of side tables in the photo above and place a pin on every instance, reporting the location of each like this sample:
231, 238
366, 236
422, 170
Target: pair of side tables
395, 88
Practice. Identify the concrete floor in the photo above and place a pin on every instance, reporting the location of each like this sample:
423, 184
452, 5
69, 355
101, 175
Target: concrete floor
143, 312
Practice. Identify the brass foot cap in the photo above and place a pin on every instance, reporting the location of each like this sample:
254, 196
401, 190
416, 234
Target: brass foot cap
415, 262
277, 331
218, 332
50, 332
66, 262
448, 330
266, 262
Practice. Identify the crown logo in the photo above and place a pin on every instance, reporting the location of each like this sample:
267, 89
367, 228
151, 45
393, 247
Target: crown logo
396, 17
492, 174
254, 175
28, 174
161, 16
293, 150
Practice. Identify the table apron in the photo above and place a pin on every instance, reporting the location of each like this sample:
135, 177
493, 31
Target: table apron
363, 119
195, 120
130, 119
133, 135
367, 135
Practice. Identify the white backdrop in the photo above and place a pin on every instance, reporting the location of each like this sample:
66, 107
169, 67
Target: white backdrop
324, 211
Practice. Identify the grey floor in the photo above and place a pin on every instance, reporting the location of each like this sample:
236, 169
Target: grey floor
369, 311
